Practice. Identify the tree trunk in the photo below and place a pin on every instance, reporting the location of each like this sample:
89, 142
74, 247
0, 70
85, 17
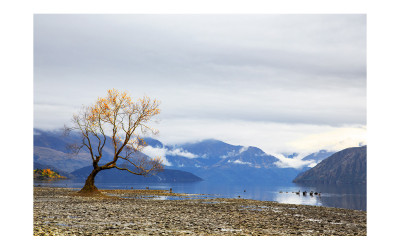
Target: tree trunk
89, 184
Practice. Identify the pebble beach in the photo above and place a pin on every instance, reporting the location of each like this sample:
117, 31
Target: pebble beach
61, 212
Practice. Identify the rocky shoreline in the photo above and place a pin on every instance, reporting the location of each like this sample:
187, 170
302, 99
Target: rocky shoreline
59, 211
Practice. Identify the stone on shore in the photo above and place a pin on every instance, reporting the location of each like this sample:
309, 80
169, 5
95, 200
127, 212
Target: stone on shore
58, 212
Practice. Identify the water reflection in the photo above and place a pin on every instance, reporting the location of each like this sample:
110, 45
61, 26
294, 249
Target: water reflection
298, 199
342, 196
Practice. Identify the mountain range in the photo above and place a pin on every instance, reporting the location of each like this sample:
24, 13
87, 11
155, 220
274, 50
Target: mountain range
211, 160
217, 161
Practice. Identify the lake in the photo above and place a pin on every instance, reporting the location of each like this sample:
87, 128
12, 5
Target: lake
341, 196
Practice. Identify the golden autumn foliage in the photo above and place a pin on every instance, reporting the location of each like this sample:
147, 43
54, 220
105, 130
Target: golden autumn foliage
47, 174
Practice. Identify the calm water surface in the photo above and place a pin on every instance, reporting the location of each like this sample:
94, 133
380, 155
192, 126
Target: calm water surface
341, 196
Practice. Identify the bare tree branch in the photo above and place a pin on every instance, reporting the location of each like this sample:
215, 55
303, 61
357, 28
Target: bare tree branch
117, 115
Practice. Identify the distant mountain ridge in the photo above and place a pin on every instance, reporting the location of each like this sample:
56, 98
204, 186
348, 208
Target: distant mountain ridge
348, 166
213, 153
209, 159
318, 156
218, 161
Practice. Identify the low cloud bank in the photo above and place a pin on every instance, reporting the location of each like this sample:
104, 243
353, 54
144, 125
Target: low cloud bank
180, 152
239, 162
295, 162
284, 161
163, 152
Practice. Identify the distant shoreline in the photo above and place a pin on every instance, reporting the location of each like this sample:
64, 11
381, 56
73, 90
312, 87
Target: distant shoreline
58, 212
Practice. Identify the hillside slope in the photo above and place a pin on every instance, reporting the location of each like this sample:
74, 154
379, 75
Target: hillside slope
348, 166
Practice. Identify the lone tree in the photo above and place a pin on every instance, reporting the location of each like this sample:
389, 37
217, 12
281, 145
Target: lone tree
121, 118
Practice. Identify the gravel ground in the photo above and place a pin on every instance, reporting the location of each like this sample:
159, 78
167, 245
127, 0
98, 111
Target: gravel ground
59, 211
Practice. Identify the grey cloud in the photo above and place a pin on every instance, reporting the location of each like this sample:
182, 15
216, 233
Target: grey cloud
305, 69
179, 46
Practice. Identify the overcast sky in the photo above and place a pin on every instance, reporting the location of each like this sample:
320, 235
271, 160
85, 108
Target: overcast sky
283, 83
